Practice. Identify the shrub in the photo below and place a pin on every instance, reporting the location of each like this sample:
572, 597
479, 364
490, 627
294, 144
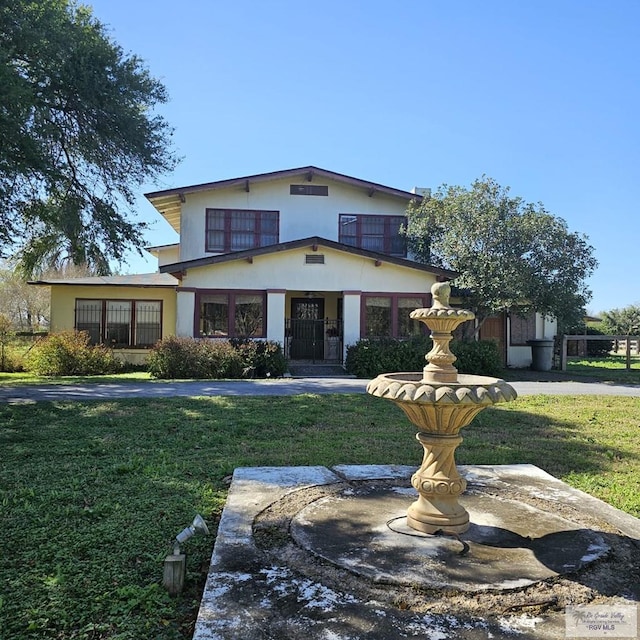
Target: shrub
260, 358
176, 357
182, 358
598, 348
369, 358
481, 357
172, 357
12, 361
70, 353
6, 334
219, 359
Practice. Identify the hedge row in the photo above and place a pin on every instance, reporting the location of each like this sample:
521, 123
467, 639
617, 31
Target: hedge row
70, 353
176, 357
369, 358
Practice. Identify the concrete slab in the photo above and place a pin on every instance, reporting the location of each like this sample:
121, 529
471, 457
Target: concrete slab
317, 553
509, 544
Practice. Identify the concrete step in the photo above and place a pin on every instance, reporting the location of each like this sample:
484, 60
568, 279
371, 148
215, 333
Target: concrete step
306, 370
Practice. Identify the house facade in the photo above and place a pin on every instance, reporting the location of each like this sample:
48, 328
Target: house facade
306, 257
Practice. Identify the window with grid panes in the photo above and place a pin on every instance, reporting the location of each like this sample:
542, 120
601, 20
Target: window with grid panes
237, 314
375, 233
238, 229
388, 315
120, 323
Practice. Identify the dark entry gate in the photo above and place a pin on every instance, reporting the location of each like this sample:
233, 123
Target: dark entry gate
310, 336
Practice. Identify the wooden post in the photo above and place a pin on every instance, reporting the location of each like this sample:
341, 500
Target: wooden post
563, 354
628, 353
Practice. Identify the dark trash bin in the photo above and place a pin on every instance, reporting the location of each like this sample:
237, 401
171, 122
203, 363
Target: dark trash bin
541, 354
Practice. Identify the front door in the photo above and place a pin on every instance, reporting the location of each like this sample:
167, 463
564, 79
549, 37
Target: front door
494, 328
307, 329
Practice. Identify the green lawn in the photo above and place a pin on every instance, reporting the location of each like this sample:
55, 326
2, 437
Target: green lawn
613, 368
25, 378
92, 493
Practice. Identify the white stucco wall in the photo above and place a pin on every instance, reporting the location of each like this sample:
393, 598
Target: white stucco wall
186, 301
351, 311
275, 315
546, 327
167, 255
287, 270
300, 216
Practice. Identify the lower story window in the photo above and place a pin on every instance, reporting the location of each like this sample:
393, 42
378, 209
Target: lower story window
388, 316
120, 323
231, 314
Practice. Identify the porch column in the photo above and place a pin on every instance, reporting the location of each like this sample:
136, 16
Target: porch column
185, 313
351, 318
275, 315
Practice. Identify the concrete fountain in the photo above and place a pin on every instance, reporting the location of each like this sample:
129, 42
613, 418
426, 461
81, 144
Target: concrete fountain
483, 552
440, 403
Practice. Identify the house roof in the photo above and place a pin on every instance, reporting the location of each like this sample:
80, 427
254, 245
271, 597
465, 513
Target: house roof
157, 247
155, 250
133, 280
169, 201
311, 242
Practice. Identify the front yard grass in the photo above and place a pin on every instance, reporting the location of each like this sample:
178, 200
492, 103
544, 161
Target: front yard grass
26, 378
612, 368
92, 493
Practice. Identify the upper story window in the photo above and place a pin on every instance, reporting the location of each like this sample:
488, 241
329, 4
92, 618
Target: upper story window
238, 229
375, 233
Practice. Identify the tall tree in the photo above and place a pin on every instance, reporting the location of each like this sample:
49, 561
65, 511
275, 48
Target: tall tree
77, 136
27, 306
624, 321
512, 255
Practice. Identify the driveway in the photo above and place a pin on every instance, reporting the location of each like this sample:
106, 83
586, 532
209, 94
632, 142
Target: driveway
281, 386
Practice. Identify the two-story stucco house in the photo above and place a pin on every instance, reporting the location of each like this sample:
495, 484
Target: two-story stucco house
306, 257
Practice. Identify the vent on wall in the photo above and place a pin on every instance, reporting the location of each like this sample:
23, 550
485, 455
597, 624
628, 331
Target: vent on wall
314, 258
308, 190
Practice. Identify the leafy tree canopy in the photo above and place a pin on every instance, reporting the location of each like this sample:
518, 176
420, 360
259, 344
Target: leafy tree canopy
77, 136
622, 321
511, 255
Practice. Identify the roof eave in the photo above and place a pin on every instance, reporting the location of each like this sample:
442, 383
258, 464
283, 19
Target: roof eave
308, 173
313, 241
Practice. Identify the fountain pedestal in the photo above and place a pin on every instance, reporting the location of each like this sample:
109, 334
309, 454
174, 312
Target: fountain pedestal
439, 485
440, 403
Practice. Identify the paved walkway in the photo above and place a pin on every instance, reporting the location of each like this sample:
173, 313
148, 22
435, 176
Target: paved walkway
281, 386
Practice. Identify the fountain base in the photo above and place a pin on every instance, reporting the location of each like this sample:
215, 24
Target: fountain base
534, 547
431, 517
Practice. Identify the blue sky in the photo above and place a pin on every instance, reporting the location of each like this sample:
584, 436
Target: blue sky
541, 95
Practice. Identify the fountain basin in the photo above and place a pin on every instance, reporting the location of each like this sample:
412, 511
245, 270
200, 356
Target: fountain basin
412, 388
439, 410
